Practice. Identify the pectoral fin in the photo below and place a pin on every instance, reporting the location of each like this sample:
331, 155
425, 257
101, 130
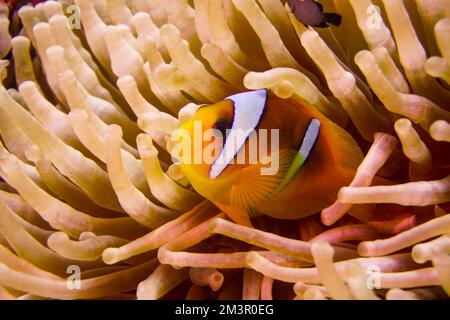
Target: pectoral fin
257, 185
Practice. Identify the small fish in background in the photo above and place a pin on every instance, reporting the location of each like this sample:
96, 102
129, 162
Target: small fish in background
310, 13
315, 157
16, 4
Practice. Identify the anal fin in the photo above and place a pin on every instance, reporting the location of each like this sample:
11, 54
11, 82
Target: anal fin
238, 215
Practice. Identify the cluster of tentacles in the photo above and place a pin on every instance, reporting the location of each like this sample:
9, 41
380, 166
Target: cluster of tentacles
91, 205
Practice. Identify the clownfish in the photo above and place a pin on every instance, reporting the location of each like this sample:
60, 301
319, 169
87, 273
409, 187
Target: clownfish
310, 13
271, 156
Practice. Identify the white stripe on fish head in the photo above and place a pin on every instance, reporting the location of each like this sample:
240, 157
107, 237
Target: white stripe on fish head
248, 110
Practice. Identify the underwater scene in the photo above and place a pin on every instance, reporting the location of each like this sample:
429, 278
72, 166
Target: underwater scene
225, 149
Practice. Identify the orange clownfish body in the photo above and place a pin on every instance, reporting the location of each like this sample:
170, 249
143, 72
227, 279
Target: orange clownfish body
254, 153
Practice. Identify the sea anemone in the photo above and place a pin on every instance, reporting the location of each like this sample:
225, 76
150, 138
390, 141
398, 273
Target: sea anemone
92, 206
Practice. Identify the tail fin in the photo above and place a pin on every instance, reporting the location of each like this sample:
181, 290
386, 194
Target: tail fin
333, 18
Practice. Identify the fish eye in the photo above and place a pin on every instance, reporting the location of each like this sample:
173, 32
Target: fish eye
222, 125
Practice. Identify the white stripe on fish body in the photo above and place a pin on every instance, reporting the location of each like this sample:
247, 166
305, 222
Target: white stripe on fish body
308, 142
310, 138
